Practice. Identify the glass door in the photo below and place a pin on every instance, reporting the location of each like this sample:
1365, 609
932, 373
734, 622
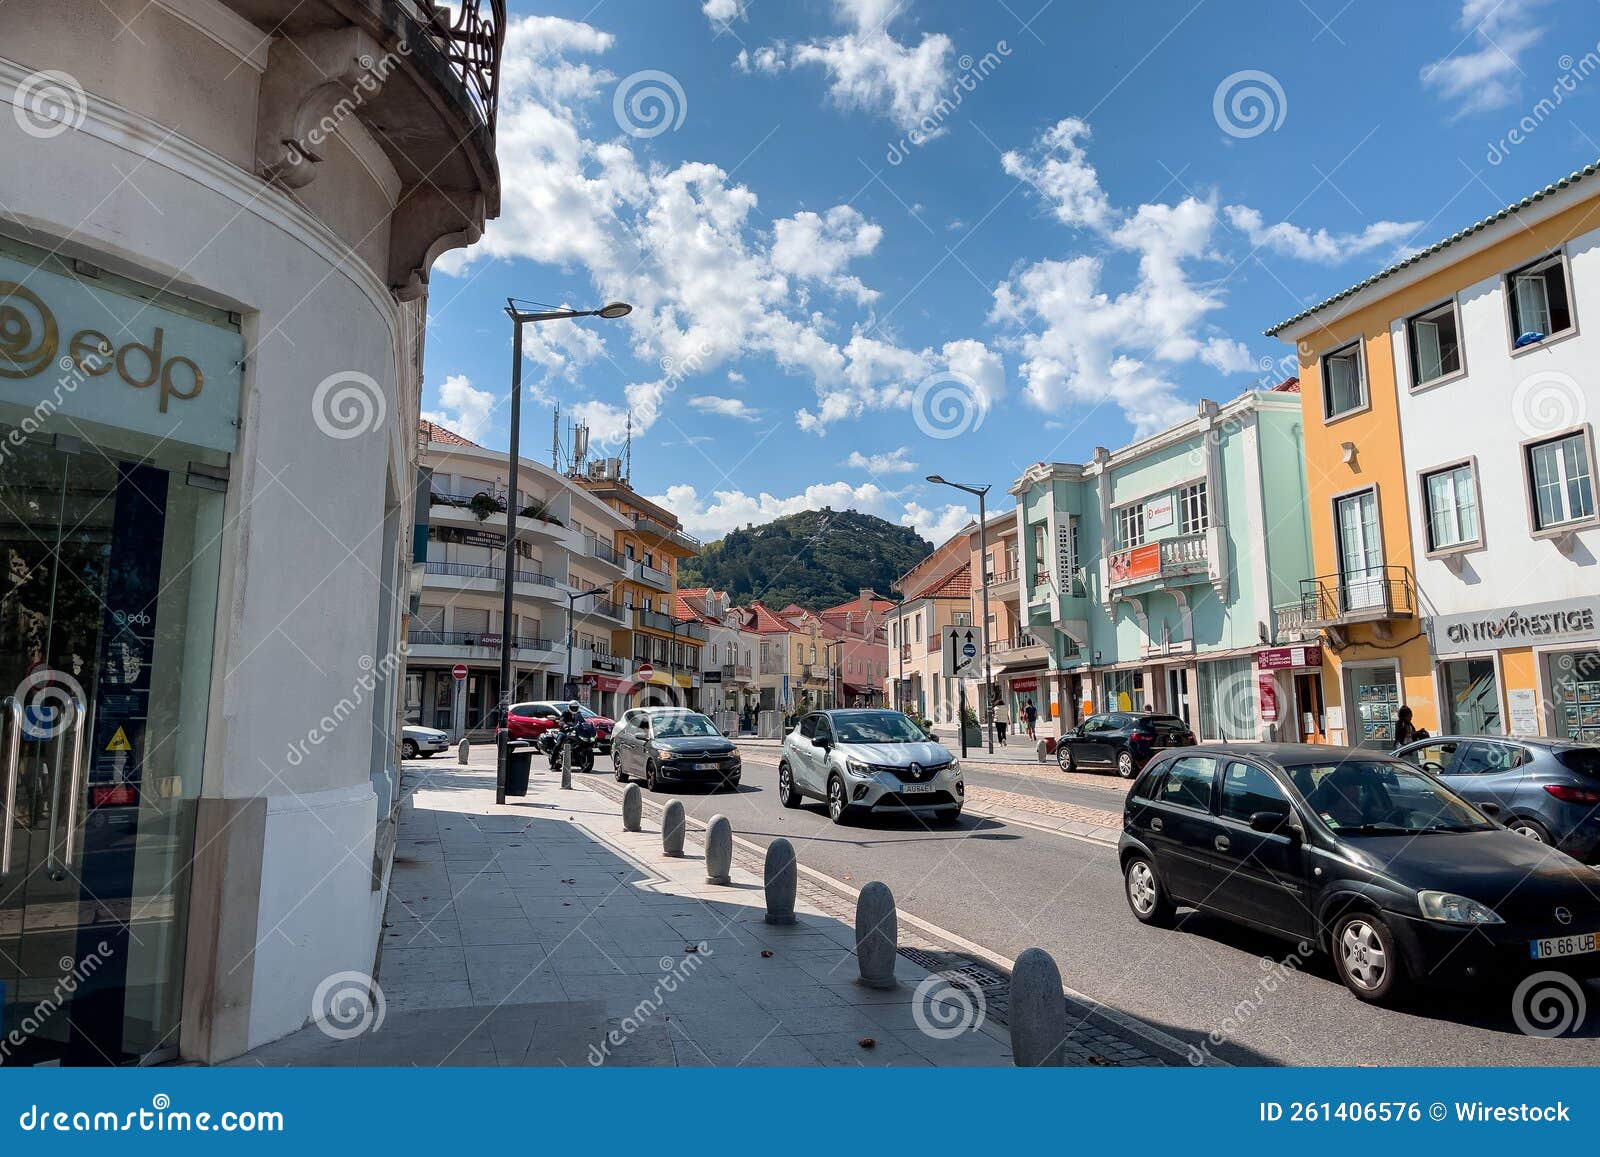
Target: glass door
107, 607
1360, 551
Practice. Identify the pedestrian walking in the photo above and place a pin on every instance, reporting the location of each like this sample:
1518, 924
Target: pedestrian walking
1030, 716
1002, 719
1404, 731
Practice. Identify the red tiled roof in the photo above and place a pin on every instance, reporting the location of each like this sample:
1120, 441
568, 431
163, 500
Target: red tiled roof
1287, 386
764, 622
433, 432
955, 585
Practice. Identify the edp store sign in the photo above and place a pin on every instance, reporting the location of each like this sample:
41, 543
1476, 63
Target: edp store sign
77, 349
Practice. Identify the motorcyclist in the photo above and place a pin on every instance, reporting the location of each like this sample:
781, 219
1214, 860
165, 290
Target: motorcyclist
580, 732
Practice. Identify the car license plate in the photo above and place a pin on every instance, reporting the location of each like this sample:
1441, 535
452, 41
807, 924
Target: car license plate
1574, 945
705, 767
913, 788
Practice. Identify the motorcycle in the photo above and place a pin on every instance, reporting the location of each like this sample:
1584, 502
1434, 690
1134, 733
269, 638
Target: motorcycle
582, 736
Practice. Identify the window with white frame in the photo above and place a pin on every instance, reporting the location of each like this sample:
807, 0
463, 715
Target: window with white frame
1434, 338
1538, 302
1130, 525
1561, 478
1193, 513
1450, 497
1344, 388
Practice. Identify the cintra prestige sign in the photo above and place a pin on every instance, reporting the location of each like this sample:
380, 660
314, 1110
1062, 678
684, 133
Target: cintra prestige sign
1568, 621
72, 348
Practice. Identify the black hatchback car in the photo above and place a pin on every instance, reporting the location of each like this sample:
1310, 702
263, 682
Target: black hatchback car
1397, 877
1121, 741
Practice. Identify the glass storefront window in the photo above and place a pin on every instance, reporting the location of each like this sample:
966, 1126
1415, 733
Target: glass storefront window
1372, 704
1125, 691
1225, 690
1471, 697
1572, 691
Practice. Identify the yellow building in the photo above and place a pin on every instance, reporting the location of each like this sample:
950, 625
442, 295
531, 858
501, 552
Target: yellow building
650, 550
1448, 407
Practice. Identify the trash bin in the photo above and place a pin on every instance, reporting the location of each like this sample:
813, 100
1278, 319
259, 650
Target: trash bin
519, 765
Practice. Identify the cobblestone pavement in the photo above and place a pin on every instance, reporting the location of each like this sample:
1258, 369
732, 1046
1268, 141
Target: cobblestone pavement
1095, 1038
987, 799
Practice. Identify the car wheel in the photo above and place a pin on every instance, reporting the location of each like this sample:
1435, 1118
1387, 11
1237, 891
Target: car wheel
837, 803
1533, 829
787, 795
650, 781
1146, 896
408, 749
1064, 757
616, 766
1367, 958
1125, 764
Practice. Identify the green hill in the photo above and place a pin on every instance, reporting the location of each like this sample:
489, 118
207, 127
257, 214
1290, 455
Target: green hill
816, 558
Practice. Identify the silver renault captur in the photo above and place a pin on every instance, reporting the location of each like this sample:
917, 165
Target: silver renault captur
862, 761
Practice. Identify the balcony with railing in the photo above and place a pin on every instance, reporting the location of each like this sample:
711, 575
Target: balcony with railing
736, 672
653, 576
1022, 647
1166, 560
656, 621
1372, 595
469, 640
1291, 624
654, 528
1003, 583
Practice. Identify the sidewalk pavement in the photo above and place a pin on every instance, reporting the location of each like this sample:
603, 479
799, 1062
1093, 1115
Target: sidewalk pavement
539, 933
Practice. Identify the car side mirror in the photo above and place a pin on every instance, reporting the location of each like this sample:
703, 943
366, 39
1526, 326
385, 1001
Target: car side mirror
644, 726
1492, 810
1270, 822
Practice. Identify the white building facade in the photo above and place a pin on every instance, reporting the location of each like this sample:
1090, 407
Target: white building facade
213, 275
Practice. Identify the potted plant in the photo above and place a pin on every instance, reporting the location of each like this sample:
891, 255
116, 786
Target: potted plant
484, 504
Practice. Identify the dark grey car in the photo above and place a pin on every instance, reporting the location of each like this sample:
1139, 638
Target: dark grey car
1545, 789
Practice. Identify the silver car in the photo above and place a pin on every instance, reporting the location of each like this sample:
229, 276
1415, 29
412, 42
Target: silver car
868, 761
417, 742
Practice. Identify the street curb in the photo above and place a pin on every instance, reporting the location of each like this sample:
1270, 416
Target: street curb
1178, 1050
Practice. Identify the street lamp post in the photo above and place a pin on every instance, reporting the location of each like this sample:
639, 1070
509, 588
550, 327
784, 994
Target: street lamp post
833, 681
519, 318
573, 597
983, 562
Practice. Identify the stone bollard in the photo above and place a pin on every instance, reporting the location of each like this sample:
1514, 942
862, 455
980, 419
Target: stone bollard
566, 766
1043, 750
672, 829
780, 874
719, 851
1038, 1012
463, 750
877, 936
632, 808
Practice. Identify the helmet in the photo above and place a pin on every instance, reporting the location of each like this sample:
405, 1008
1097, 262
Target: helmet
574, 706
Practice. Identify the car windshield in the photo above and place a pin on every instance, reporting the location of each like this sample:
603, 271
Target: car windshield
1163, 723
675, 725
1370, 797
877, 727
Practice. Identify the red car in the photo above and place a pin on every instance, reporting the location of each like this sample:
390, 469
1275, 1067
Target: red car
530, 720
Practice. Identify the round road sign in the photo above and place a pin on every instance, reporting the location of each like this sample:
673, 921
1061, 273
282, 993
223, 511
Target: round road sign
459, 671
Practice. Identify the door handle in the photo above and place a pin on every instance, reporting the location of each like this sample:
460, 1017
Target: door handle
74, 777
1156, 824
1220, 843
12, 726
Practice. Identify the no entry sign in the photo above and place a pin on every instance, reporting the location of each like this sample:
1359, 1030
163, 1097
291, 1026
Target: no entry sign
459, 671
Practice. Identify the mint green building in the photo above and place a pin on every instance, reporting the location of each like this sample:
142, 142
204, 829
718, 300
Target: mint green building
1158, 574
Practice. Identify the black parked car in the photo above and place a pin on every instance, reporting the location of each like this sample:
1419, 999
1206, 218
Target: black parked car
667, 746
1123, 741
1400, 879
1546, 789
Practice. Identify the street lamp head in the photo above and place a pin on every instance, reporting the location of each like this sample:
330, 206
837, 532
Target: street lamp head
937, 480
615, 309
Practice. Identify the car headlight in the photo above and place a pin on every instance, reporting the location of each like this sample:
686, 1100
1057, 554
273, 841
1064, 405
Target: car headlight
954, 768
661, 752
1449, 908
856, 767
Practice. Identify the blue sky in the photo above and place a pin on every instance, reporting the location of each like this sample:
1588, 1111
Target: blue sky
871, 240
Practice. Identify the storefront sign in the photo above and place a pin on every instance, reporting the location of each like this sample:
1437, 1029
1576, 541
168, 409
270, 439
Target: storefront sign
1288, 658
712, 676
1571, 620
1158, 512
1267, 689
1023, 685
71, 348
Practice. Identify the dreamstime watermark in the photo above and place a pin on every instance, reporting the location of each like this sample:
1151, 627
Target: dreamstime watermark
944, 1006
74, 972
308, 145
348, 1004
1248, 103
1549, 1004
648, 103
1546, 402
160, 1117
348, 404
48, 103
1274, 974
973, 73
48, 698
674, 974
673, 372
1573, 74
948, 405
74, 371
372, 673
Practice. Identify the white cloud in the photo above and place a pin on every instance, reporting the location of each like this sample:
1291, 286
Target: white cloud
721, 13
710, 517
1059, 170
463, 409
817, 248
726, 407
1319, 245
889, 462
867, 67
1488, 74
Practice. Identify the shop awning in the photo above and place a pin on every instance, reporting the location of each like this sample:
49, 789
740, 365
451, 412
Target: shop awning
603, 682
